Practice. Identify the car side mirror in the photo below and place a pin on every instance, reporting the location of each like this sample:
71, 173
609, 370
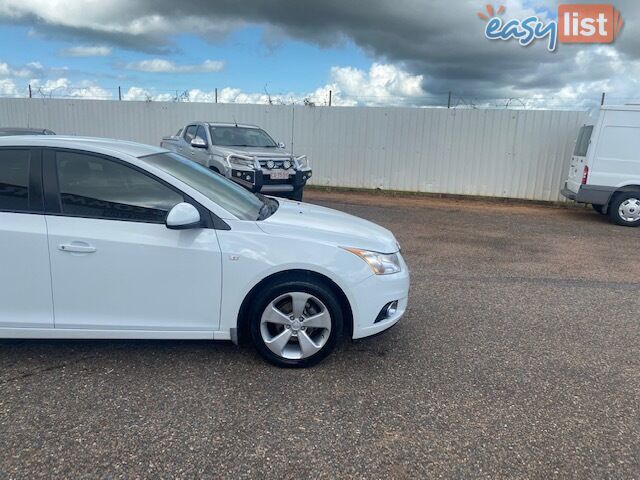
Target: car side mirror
182, 217
281, 145
198, 143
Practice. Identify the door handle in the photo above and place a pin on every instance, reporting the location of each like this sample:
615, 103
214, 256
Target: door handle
77, 247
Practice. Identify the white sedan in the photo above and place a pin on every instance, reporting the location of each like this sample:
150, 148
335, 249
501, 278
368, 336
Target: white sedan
104, 238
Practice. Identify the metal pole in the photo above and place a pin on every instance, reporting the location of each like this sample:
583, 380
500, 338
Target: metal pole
329, 97
30, 91
216, 94
119, 93
602, 99
449, 101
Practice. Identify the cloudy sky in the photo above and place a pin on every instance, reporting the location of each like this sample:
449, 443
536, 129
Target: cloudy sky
373, 52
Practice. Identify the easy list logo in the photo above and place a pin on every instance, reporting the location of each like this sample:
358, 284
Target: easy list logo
577, 23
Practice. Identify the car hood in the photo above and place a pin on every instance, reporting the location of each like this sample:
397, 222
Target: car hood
303, 220
254, 151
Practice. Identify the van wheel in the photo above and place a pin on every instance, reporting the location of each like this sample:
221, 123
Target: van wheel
601, 209
625, 209
296, 323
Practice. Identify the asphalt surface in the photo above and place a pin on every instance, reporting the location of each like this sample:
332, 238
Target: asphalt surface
518, 358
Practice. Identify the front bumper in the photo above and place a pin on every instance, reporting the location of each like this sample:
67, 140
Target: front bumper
372, 294
260, 181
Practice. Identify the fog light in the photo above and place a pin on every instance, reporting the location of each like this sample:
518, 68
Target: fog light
388, 311
248, 177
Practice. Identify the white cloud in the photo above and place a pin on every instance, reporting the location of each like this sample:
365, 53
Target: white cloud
28, 70
158, 65
9, 89
87, 51
383, 84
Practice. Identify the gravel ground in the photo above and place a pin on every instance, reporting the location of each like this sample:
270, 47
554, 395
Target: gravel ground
518, 358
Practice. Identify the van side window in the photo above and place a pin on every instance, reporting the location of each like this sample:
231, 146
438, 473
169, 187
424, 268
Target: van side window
582, 144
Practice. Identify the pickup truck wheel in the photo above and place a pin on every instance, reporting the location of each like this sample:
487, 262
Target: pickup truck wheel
625, 209
601, 209
296, 323
297, 194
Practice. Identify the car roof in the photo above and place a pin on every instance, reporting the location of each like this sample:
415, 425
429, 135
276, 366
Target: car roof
94, 144
228, 124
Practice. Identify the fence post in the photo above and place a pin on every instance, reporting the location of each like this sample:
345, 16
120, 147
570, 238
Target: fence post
119, 93
216, 94
449, 100
329, 97
602, 99
30, 91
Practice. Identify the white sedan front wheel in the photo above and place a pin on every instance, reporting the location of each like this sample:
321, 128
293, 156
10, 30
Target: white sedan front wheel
296, 324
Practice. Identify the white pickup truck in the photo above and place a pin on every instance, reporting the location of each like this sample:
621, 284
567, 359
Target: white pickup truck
244, 153
605, 165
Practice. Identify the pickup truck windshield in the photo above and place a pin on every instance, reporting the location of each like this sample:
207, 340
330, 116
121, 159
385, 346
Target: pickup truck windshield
230, 196
241, 137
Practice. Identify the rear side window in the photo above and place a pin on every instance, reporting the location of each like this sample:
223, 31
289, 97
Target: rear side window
96, 187
582, 144
14, 180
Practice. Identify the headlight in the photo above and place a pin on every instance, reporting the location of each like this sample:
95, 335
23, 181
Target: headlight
286, 164
380, 263
242, 162
270, 164
303, 162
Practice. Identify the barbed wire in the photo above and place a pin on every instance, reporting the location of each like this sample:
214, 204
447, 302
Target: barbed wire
439, 99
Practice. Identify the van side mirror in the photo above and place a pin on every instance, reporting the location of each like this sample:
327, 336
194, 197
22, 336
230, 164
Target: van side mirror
281, 145
198, 143
183, 216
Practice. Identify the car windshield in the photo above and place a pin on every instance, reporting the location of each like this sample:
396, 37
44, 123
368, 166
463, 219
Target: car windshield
229, 195
241, 137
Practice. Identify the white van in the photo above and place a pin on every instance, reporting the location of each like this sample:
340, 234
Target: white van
605, 166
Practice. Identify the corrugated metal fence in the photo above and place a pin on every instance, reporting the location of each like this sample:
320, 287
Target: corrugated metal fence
501, 153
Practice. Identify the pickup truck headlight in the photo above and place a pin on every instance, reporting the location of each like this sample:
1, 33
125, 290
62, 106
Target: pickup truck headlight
303, 162
242, 162
380, 263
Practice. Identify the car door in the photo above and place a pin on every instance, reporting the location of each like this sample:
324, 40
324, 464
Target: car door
25, 283
114, 263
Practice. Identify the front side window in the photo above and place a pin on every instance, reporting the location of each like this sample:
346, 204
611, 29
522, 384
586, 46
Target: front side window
96, 187
190, 133
241, 137
14, 180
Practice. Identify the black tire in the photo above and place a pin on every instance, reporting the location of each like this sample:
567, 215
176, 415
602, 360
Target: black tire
215, 170
271, 293
296, 195
601, 209
614, 208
